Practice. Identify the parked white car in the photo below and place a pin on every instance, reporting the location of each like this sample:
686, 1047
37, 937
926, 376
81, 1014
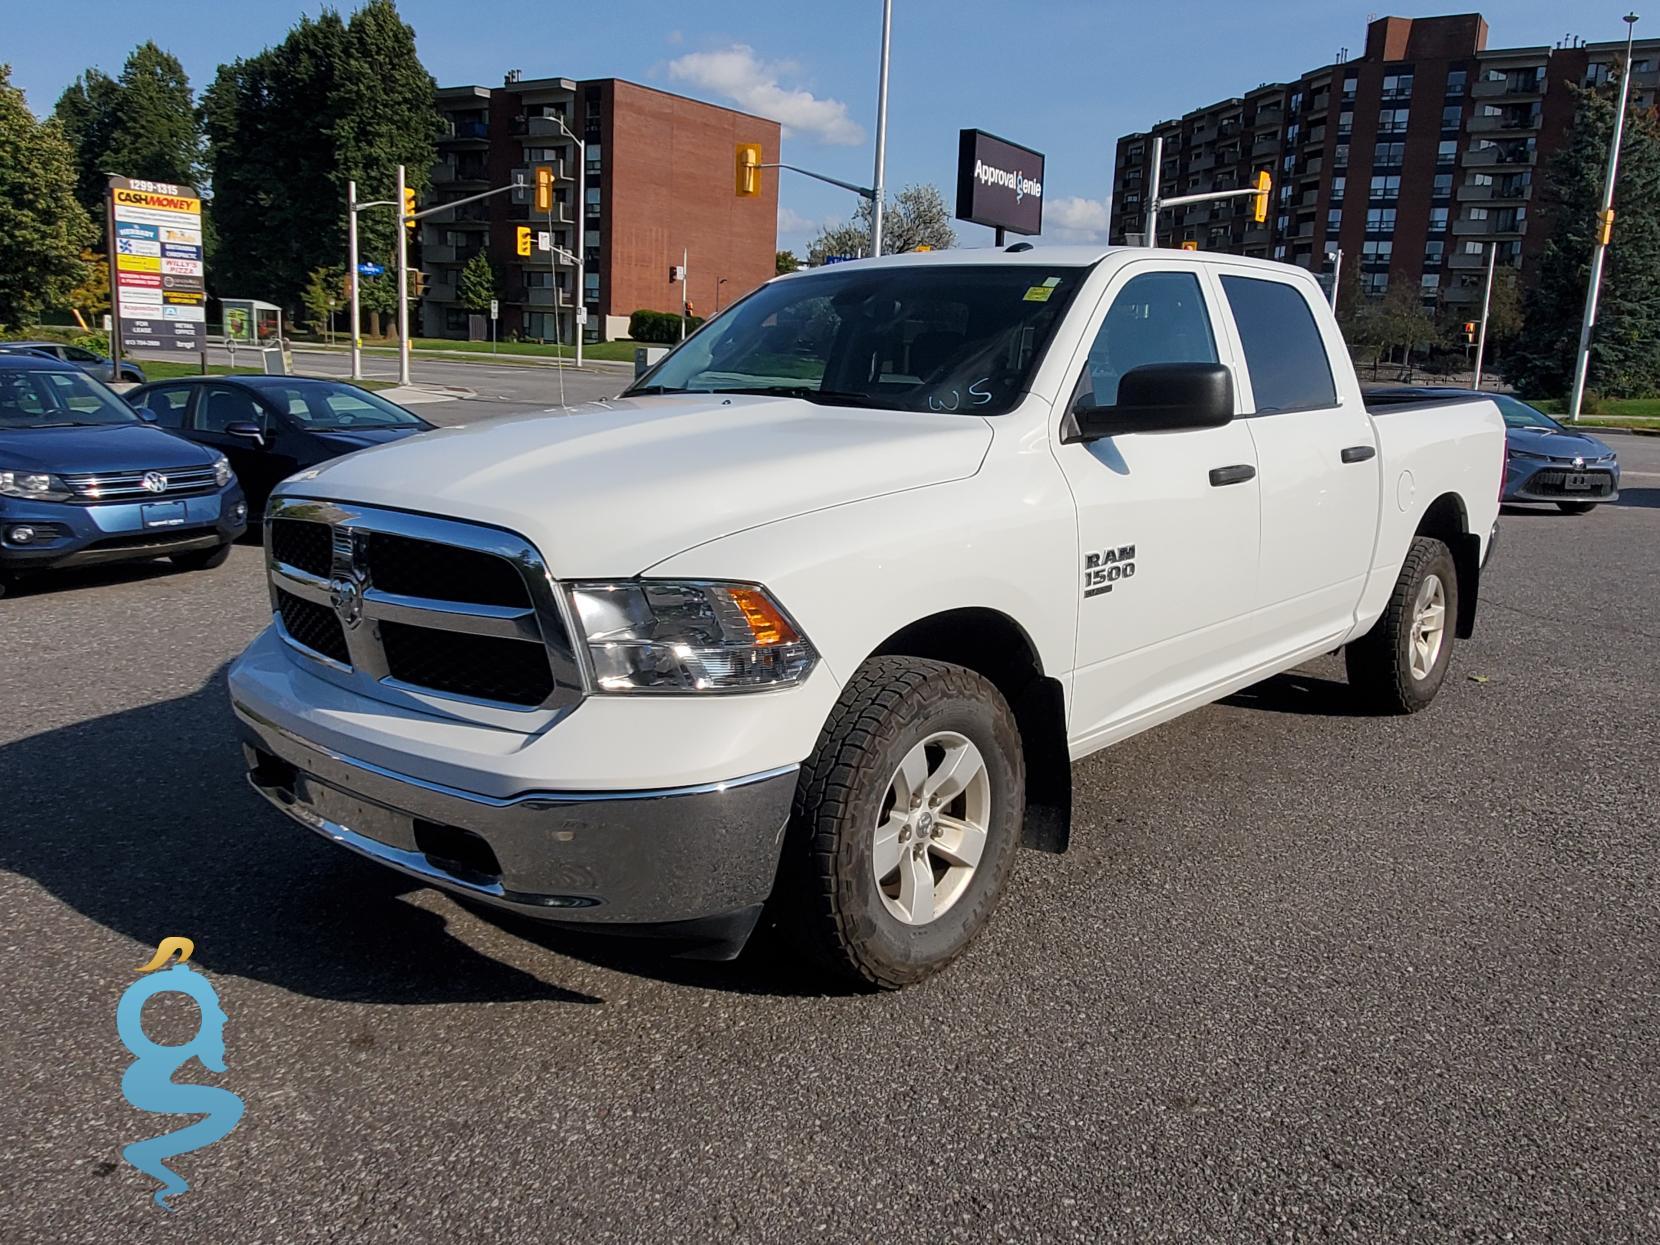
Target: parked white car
821, 610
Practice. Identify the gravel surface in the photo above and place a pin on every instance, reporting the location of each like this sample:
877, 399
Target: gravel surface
1303, 974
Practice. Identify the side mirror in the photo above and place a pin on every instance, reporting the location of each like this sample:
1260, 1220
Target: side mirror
251, 432
147, 415
1160, 397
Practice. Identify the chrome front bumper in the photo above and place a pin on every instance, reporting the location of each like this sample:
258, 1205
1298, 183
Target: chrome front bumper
649, 858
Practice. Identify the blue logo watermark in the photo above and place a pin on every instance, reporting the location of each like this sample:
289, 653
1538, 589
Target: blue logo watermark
148, 1081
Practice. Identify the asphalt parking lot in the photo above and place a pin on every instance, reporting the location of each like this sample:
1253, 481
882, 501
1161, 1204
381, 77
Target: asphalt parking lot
1303, 974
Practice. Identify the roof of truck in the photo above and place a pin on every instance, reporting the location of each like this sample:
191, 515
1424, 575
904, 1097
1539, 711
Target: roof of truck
1039, 256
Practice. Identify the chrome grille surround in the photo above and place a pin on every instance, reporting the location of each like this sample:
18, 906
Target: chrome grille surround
351, 596
129, 485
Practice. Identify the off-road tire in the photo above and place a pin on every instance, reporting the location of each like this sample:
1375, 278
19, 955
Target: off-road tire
202, 559
827, 900
1380, 662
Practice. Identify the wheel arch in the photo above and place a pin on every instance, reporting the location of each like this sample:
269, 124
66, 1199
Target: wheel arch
1447, 520
995, 646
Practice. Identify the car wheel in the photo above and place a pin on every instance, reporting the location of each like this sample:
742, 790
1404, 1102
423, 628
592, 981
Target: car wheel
905, 823
202, 559
1399, 665
1576, 507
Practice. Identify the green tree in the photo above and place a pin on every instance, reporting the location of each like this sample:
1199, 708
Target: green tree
337, 100
379, 297
142, 124
91, 297
43, 229
479, 284
1397, 321
1625, 347
917, 216
322, 297
787, 262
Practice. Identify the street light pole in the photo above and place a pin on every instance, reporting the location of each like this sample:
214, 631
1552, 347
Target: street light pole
1151, 236
355, 276
403, 287
1486, 306
1336, 258
877, 182
581, 239
1582, 360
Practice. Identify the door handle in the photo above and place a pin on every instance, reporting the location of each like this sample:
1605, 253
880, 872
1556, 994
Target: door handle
1237, 474
1358, 453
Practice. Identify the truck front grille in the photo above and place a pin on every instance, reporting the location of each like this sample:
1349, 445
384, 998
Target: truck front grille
409, 602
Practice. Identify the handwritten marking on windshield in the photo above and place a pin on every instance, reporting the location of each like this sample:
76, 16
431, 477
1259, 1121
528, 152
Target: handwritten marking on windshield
980, 396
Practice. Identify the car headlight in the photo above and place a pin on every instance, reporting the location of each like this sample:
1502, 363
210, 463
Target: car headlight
656, 635
1538, 458
221, 471
34, 486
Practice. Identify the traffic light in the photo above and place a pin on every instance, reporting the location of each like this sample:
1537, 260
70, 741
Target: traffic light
1605, 227
417, 284
1190, 245
1470, 332
749, 170
544, 187
409, 207
522, 240
1259, 201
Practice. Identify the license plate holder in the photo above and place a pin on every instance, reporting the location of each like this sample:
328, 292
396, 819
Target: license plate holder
164, 514
1576, 482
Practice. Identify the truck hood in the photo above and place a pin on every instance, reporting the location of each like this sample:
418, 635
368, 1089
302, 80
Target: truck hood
106, 447
608, 489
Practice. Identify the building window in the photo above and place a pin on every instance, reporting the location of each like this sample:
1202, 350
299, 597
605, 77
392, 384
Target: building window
1279, 251
1597, 73
1338, 186
1438, 220
1377, 253
1374, 283
1476, 213
1430, 282
1380, 221
1340, 156
1349, 87
1481, 179
1296, 101
1334, 219
1397, 86
455, 319
1386, 188
1345, 123
1456, 80
1393, 120
1434, 252
1441, 187
1446, 152
1451, 117
1473, 248
1388, 155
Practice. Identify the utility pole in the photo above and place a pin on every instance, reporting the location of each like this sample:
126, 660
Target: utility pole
1336, 258
685, 279
580, 315
403, 288
354, 276
877, 182
1151, 233
1486, 306
1605, 229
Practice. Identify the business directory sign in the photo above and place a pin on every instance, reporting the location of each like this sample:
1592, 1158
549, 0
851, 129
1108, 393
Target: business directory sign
156, 273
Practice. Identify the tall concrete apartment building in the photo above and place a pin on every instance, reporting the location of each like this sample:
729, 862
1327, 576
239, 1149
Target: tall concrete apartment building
1415, 157
659, 182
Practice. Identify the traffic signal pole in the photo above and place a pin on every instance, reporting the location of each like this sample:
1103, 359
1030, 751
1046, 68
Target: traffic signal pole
354, 276
403, 284
1486, 305
1155, 202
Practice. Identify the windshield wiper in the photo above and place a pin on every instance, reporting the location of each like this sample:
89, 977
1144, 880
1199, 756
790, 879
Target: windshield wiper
832, 397
634, 393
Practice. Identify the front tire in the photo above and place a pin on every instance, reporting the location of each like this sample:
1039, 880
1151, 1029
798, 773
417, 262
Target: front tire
202, 559
905, 824
1399, 665
1576, 507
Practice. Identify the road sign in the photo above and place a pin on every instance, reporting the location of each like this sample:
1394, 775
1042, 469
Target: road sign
582, 315
544, 240
156, 263
372, 270
838, 259
495, 309
1190, 245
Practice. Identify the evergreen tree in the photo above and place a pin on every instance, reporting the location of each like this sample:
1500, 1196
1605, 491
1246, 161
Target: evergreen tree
479, 283
43, 230
337, 100
1625, 345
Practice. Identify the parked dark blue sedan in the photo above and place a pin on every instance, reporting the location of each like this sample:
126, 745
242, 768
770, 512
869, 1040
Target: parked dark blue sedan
83, 479
272, 426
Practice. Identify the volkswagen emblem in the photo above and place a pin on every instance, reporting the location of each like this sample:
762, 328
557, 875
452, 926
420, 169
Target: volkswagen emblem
346, 598
154, 482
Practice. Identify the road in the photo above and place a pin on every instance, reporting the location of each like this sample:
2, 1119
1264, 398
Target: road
1303, 974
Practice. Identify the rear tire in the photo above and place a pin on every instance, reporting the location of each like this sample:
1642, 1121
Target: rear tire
202, 559
1576, 507
1399, 665
905, 823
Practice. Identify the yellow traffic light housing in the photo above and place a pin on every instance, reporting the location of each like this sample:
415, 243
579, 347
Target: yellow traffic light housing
1470, 332
1259, 201
418, 284
544, 187
1605, 227
749, 170
1189, 245
522, 240
409, 207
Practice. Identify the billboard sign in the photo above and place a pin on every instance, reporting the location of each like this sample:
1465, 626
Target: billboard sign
999, 183
156, 263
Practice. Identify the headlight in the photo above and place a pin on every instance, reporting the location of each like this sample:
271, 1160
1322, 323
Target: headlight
1542, 458
654, 635
33, 486
221, 471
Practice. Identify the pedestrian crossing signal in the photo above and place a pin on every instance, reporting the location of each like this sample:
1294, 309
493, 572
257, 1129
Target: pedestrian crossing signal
522, 240
544, 188
1259, 201
1470, 332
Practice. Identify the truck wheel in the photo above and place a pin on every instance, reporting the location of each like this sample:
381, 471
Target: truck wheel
1399, 665
202, 559
905, 824
1576, 507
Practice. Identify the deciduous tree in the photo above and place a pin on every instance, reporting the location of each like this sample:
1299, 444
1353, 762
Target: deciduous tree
43, 229
916, 217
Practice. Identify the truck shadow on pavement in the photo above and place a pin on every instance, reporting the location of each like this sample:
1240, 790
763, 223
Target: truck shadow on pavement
1297, 692
1648, 498
141, 821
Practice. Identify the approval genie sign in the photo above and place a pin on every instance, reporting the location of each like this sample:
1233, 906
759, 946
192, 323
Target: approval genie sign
999, 183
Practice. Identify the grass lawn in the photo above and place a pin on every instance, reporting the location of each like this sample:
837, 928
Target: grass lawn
163, 370
1610, 413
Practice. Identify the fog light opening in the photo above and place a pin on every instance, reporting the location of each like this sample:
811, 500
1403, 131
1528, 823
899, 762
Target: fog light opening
21, 534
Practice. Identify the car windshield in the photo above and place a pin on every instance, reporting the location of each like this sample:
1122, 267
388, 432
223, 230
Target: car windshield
965, 337
1518, 414
58, 399
319, 406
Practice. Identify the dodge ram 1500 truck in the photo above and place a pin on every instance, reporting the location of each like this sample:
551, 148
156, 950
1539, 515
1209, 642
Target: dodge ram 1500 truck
816, 615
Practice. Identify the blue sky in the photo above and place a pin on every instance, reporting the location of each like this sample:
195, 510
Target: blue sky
1063, 76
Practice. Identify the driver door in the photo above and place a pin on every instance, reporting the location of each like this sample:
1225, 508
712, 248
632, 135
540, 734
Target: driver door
1168, 522
218, 408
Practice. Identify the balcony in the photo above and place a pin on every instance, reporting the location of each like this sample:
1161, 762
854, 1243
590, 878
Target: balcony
440, 292
1492, 226
1496, 125
541, 296
444, 173
464, 132
439, 253
1485, 157
541, 127
1507, 90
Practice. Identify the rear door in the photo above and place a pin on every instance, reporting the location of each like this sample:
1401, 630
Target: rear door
1316, 455
217, 408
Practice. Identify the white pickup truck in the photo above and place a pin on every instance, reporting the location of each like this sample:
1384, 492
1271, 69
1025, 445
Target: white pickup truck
813, 619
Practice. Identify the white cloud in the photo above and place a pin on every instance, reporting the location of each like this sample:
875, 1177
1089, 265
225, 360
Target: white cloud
1075, 219
753, 84
791, 221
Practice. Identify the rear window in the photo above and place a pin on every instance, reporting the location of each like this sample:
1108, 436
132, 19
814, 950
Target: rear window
1284, 352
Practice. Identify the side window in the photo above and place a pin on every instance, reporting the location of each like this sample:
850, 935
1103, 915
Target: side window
1158, 317
169, 403
1284, 352
219, 408
76, 355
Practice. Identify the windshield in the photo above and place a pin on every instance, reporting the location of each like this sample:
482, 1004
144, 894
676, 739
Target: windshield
321, 407
1518, 414
58, 399
905, 338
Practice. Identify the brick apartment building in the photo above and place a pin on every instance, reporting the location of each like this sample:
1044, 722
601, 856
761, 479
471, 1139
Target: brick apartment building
658, 181
1414, 157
